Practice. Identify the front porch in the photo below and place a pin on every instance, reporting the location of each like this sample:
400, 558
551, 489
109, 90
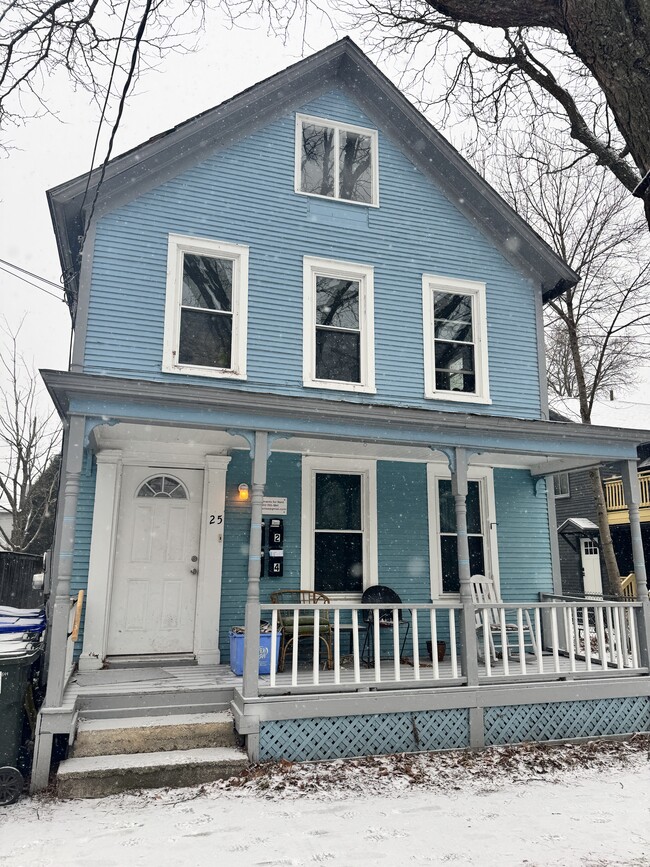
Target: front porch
438, 497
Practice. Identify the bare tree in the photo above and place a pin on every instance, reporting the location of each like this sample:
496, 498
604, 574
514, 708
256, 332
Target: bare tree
597, 331
92, 42
572, 66
29, 448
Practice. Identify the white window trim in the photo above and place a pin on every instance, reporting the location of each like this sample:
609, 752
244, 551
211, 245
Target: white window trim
313, 267
177, 246
367, 469
435, 472
430, 284
568, 484
344, 127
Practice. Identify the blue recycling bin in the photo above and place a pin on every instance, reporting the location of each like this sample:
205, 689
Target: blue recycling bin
237, 652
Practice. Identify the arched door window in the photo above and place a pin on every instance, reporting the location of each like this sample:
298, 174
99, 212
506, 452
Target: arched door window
163, 486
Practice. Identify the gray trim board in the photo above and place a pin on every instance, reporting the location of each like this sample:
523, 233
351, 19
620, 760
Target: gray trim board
250, 712
343, 64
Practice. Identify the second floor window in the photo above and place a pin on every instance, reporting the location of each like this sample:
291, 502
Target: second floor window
336, 161
455, 339
205, 316
338, 334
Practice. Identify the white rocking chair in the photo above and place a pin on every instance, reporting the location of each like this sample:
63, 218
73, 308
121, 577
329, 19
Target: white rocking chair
484, 593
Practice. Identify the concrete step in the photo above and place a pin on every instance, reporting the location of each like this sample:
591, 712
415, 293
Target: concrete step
152, 734
98, 776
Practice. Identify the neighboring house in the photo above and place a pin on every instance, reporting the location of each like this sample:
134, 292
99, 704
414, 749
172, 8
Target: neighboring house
582, 563
304, 305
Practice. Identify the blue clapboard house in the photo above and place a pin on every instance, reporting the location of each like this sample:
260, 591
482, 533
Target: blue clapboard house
308, 355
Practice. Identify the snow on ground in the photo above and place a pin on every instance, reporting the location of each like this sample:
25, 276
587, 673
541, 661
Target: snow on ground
579, 806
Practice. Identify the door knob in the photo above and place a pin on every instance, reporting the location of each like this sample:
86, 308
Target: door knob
194, 571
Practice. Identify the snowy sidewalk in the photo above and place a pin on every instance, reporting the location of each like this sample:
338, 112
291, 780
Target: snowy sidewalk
496, 808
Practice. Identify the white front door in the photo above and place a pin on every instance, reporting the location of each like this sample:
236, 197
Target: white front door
590, 555
155, 577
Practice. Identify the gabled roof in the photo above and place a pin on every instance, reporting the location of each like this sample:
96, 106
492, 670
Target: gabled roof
343, 65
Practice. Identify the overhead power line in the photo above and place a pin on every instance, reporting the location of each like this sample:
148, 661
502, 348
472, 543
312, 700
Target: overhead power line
35, 285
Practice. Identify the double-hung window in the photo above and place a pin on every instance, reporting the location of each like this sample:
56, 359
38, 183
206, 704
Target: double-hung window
338, 331
481, 529
205, 314
561, 487
339, 525
336, 160
455, 339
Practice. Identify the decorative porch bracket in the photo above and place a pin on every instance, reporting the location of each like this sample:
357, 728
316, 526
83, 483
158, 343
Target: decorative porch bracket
259, 449
249, 436
629, 473
469, 647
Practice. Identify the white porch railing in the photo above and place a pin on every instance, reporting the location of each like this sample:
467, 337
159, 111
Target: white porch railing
551, 638
383, 641
539, 641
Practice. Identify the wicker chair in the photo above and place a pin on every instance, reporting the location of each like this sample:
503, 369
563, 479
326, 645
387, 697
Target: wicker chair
305, 621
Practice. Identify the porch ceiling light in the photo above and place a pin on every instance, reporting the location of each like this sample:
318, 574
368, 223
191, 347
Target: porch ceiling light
243, 491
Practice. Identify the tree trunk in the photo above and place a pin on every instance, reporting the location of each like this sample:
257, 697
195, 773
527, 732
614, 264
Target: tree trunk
607, 547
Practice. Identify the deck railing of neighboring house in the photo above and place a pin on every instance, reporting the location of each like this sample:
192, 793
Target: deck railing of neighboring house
545, 640
615, 495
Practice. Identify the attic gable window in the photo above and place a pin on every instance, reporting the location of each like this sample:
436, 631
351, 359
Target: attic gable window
336, 161
205, 314
455, 339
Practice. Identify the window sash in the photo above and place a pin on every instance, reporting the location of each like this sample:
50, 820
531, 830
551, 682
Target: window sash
481, 543
455, 339
340, 131
336, 356
220, 347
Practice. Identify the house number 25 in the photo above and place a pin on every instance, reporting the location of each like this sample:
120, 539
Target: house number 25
216, 519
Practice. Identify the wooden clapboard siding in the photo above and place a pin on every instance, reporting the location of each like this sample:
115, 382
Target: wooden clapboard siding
245, 194
525, 566
83, 533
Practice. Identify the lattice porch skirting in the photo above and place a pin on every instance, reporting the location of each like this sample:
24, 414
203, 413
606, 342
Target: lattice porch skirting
550, 721
339, 737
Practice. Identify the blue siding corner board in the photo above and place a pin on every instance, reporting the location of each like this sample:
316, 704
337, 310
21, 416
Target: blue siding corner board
245, 194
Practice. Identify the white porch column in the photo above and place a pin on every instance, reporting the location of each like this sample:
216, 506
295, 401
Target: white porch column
469, 650
629, 473
208, 602
252, 619
73, 451
102, 551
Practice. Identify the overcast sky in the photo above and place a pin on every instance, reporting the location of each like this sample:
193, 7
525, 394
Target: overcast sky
50, 150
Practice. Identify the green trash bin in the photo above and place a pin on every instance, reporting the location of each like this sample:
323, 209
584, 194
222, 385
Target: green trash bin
15, 678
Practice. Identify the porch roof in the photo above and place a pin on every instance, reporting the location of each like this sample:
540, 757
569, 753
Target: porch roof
559, 445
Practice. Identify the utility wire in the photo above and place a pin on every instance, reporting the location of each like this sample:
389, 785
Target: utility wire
104, 107
31, 274
35, 285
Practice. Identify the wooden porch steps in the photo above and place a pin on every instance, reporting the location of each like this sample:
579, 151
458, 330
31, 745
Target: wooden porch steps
120, 754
